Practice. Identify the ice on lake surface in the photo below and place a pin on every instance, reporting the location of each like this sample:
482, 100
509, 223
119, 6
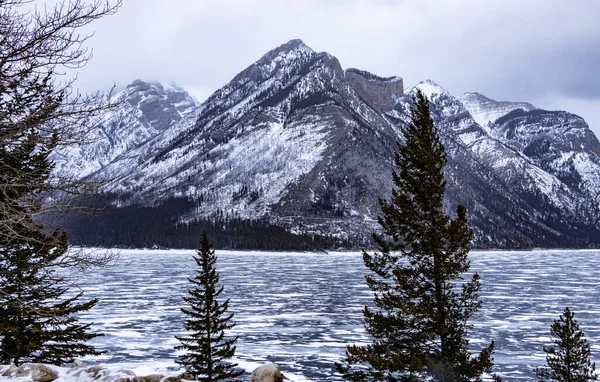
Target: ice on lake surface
300, 310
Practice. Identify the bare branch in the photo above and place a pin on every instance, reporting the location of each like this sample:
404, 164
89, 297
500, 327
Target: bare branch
39, 113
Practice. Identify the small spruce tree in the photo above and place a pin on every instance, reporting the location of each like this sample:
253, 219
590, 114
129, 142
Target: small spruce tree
568, 360
206, 348
420, 324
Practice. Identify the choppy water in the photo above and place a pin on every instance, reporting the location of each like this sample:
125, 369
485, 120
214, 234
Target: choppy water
301, 310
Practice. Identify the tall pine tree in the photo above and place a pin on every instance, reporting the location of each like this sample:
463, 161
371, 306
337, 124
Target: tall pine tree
569, 359
420, 324
37, 321
207, 349
40, 111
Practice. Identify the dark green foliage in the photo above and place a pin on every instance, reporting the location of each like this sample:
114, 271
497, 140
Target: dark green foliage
40, 112
139, 227
37, 322
420, 324
207, 349
568, 360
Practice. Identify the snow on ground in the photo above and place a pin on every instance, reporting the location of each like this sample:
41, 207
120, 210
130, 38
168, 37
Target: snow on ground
115, 373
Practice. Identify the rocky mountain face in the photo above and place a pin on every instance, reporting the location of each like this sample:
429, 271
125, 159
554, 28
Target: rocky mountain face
145, 109
298, 140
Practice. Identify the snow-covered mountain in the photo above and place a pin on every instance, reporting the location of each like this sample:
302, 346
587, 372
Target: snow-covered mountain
556, 142
298, 140
145, 109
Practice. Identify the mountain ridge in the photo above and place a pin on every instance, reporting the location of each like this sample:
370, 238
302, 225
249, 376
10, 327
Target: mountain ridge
297, 140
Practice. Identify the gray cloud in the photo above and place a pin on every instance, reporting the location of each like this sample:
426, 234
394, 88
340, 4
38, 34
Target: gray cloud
545, 52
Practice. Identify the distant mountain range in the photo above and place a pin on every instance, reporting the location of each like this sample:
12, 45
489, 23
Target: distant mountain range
299, 142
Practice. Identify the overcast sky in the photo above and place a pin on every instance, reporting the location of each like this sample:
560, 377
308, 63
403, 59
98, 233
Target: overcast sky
545, 52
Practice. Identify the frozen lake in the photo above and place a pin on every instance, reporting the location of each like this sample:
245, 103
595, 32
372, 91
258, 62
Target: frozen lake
300, 310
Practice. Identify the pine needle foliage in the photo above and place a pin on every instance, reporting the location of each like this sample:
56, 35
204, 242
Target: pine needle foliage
40, 112
568, 360
37, 321
419, 324
206, 348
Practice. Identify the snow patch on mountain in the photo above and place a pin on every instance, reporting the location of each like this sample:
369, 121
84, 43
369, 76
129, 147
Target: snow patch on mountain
429, 88
485, 111
443, 102
264, 162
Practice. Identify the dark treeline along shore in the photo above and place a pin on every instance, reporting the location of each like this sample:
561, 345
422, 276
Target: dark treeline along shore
158, 227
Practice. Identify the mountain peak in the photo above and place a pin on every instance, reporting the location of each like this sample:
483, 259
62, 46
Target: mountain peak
486, 110
474, 96
136, 83
292, 53
140, 82
478, 97
295, 45
429, 88
149, 96
139, 85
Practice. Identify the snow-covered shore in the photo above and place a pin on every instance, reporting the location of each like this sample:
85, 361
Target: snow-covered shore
80, 372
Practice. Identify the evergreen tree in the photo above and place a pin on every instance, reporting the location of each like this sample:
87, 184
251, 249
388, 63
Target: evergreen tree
569, 359
39, 112
420, 324
206, 348
39, 106
37, 322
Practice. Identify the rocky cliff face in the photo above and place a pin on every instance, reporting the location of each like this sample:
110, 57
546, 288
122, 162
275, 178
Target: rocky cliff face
298, 140
378, 91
